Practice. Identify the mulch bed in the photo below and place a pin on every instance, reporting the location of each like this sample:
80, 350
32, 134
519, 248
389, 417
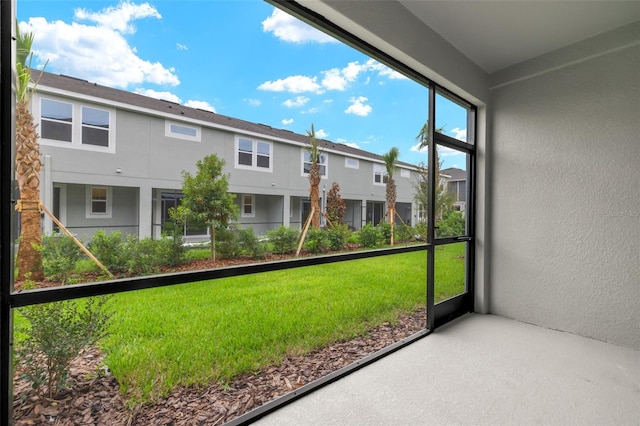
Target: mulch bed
94, 397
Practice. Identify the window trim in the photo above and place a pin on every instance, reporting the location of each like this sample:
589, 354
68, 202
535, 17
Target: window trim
168, 132
379, 169
254, 155
243, 204
76, 124
325, 164
89, 214
355, 166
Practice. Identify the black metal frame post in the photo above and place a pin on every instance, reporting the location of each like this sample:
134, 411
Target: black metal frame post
7, 135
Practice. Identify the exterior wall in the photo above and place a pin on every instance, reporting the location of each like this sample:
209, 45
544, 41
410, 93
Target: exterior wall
123, 211
566, 193
144, 157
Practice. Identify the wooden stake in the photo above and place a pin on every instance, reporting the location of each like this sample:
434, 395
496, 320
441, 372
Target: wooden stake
304, 231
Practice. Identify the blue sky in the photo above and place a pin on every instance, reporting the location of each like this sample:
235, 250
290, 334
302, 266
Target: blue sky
242, 58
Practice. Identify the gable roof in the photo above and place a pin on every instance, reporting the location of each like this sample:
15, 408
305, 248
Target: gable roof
137, 101
455, 173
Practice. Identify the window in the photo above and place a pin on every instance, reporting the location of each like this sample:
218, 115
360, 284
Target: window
181, 131
405, 173
379, 174
248, 206
98, 202
322, 163
95, 126
351, 163
56, 120
93, 131
251, 154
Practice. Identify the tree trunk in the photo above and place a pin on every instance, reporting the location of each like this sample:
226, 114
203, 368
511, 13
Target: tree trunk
29, 259
212, 231
314, 194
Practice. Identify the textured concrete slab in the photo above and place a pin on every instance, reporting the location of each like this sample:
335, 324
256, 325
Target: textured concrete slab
483, 370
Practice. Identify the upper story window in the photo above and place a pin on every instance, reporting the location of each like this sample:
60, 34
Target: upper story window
351, 163
253, 154
323, 163
380, 176
76, 126
98, 202
182, 131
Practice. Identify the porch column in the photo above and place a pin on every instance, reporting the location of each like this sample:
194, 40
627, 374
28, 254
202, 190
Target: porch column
46, 193
145, 206
363, 212
286, 210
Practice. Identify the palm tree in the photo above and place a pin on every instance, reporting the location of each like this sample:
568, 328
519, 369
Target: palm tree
442, 199
28, 164
314, 177
390, 159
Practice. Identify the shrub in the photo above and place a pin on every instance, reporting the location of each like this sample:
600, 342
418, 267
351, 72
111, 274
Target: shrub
250, 243
403, 233
56, 334
338, 235
316, 241
143, 256
421, 231
283, 239
110, 250
170, 246
384, 228
59, 256
227, 243
451, 224
370, 236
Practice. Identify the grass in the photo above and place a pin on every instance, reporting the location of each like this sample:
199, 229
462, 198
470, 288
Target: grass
213, 331
198, 333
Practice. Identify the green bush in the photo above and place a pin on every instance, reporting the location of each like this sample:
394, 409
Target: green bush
56, 335
59, 256
338, 235
384, 228
403, 233
110, 250
250, 244
316, 241
227, 244
370, 236
451, 224
283, 239
143, 256
170, 246
421, 230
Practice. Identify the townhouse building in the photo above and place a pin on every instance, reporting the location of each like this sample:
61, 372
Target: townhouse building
113, 160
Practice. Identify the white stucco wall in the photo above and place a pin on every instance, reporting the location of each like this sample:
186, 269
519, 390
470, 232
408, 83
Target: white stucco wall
565, 202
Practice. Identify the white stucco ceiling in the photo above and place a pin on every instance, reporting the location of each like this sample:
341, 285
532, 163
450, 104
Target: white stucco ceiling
497, 34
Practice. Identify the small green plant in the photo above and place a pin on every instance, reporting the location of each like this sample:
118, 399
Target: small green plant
384, 228
283, 239
421, 231
56, 333
59, 256
404, 233
227, 244
250, 244
370, 236
143, 256
110, 250
316, 241
171, 248
451, 224
338, 235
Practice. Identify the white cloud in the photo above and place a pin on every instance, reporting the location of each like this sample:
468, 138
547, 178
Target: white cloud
310, 111
181, 46
297, 102
333, 80
253, 102
321, 133
290, 29
200, 104
293, 84
100, 52
287, 121
353, 145
458, 133
358, 107
118, 18
416, 148
166, 96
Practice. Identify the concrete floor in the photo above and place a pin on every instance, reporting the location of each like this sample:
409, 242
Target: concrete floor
482, 370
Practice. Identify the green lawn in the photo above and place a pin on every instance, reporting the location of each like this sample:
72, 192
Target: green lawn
215, 330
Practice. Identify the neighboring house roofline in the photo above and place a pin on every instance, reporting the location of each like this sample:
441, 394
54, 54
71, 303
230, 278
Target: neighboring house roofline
72, 87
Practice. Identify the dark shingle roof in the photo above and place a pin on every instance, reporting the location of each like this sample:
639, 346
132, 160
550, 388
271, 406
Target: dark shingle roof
134, 100
455, 173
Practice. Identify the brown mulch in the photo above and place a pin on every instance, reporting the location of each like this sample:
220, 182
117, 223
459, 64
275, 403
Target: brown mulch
95, 399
